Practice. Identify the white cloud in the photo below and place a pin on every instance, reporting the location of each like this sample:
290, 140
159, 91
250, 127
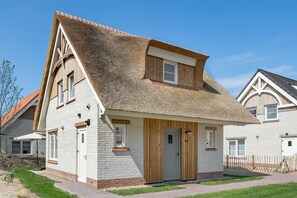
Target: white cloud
243, 58
235, 81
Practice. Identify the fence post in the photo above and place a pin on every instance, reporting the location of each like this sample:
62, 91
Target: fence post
253, 161
227, 158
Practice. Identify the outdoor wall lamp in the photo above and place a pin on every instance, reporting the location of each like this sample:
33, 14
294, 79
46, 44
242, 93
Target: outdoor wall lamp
79, 115
88, 122
189, 132
88, 106
257, 136
62, 127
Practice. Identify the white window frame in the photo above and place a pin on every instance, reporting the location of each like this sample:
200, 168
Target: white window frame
266, 106
69, 86
236, 146
212, 140
55, 149
252, 108
175, 71
124, 127
21, 147
60, 91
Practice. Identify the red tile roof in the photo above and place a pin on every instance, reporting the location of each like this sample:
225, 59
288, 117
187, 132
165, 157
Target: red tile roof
19, 107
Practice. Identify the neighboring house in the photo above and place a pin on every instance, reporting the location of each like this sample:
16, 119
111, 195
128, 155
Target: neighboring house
17, 122
125, 110
273, 100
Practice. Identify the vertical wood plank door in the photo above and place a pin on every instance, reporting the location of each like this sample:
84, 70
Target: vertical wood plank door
154, 149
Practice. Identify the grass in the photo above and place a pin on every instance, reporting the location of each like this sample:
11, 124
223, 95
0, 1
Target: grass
288, 190
134, 191
232, 179
40, 185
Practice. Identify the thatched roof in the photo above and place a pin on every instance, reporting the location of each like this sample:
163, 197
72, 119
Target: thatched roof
115, 64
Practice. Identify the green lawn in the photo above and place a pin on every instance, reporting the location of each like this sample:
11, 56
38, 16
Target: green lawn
232, 179
288, 190
40, 185
134, 191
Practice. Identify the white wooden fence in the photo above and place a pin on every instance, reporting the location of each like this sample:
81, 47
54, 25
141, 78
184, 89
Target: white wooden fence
281, 164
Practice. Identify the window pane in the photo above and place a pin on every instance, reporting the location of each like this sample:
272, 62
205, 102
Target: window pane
71, 86
232, 148
210, 139
26, 147
241, 147
169, 77
271, 109
56, 146
169, 68
52, 146
119, 135
253, 111
16, 147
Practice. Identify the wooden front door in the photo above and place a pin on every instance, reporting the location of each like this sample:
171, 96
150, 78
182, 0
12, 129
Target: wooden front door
154, 149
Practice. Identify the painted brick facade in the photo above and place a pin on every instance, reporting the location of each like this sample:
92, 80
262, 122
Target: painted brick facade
120, 164
210, 161
66, 117
268, 134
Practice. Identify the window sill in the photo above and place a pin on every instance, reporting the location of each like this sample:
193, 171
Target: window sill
59, 106
115, 149
210, 149
70, 101
52, 161
269, 121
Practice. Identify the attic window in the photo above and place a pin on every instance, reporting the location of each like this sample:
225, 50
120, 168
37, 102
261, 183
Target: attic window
253, 111
169, 72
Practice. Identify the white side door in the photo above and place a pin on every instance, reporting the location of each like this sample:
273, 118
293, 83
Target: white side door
289, 146
171, 154
82, 155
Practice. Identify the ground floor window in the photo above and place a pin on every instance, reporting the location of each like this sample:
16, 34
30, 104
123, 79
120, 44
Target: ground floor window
237, 147
53, 146
120, 135
21, 147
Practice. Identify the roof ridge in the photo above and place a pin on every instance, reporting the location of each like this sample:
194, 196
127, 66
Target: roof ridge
94, 24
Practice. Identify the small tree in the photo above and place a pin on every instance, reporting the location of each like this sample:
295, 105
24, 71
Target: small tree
10, 94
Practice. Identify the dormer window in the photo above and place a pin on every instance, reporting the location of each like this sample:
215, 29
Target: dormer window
169, 72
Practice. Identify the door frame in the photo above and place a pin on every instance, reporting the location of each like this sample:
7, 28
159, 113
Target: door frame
178, 130
83, 128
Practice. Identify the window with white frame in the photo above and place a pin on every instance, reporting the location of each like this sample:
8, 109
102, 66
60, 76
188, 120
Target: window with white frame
53, 146
253, 111
237, 147
21, 147
71, 86
210, 138
60, 93
120, 135
271, 112
169, 72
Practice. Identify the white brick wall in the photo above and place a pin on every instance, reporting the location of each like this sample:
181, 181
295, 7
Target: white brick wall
269, 141
119, 164
210, 161
67, 116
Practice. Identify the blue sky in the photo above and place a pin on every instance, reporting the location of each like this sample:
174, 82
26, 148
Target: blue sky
239, 36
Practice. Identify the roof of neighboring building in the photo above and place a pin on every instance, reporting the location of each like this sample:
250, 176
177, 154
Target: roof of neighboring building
115, 64
19, 107
283, 82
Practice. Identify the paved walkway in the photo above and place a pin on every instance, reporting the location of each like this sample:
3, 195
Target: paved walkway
86, 191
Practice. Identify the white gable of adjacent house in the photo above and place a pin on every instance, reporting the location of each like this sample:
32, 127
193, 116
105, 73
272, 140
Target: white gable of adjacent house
261, 86
62, 48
